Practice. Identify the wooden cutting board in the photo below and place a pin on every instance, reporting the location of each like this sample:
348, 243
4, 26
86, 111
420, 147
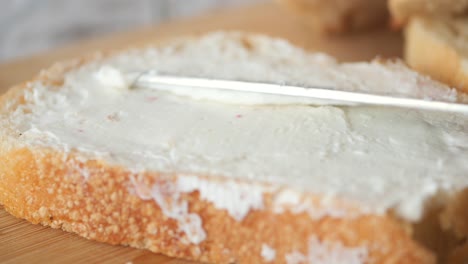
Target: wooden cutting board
22, 242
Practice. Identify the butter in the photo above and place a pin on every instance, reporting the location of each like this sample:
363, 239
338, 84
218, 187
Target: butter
112, 77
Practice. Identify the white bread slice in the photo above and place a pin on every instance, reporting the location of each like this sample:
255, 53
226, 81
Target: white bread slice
224, 183
338, 16
402, 10
438, 47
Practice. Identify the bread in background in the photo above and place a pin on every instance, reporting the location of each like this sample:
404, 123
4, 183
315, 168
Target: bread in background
402, 10
439, 48
338, 16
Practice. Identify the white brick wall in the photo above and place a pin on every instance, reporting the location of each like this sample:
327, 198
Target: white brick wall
31, 26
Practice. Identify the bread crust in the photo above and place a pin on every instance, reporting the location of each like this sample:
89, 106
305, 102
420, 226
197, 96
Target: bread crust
39, 186
428, 52
339, 16
48, 187
402, 10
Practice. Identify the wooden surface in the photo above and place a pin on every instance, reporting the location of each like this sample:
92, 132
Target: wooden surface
21, 242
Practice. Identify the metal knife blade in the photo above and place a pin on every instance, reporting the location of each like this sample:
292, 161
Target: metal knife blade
154, 80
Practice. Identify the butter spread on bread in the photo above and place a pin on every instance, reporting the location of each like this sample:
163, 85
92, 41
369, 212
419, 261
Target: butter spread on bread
174, 166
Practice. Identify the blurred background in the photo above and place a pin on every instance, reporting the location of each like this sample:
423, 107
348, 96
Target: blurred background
31, 26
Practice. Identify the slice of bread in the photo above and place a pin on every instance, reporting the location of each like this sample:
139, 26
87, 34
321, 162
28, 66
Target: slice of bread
438, 47
226, 182
338, 16
402, 10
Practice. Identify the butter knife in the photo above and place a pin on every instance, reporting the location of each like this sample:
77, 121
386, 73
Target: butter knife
318, 95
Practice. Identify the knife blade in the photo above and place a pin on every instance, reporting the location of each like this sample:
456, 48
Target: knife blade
317, 94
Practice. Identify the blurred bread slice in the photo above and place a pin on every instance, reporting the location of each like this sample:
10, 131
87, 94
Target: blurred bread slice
438, 47
402, 10
336, 16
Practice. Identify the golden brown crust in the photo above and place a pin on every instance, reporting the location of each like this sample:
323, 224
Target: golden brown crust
428, 53
459, 254
101, 207
339, 16
455, 215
